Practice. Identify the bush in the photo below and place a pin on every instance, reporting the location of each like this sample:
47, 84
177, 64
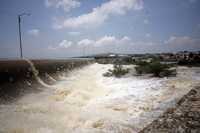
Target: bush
168, 73
155, 68
117, 71
189, 63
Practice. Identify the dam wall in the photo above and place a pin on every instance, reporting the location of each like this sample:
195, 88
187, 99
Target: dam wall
20, 76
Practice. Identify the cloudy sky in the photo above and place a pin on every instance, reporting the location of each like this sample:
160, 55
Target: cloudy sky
66, 28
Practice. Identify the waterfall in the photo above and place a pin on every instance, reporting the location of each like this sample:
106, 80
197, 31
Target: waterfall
36, 74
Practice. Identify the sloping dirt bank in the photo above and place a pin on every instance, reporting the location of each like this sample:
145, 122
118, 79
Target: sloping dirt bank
184, 118
20, 76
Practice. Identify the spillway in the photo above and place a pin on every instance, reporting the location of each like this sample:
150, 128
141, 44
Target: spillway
84, 101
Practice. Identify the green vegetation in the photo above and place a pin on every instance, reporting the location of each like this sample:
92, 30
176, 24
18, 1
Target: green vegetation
117, 71
154, 67
193, 60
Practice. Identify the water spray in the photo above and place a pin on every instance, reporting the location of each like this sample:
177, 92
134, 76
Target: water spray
36, 74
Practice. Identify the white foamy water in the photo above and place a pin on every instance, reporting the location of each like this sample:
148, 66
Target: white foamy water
35, 73
87, 102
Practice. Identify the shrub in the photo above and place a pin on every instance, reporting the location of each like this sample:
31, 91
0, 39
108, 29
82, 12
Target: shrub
128, 60
155, 68
167, 73
190, 63
117, 71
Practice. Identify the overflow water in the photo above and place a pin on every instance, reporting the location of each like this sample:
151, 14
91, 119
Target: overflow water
87, 102
35, 73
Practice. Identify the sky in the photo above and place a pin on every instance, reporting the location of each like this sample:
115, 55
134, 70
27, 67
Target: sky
69, 28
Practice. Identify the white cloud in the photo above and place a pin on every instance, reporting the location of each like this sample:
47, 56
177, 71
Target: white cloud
47, 3
34, 32
102, 42
74, 33
146, 21
124, 44
85, 42
172, 44
179, 40
100, 14
147, 35
66, 5
52, 48
105, 41
183, 43
64, 44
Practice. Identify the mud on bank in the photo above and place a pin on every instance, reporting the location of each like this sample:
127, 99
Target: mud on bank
18, 77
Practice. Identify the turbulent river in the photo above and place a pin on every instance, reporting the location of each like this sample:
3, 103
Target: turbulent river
86, 102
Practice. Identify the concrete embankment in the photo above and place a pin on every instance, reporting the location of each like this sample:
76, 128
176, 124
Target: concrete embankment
184, 118
20, 76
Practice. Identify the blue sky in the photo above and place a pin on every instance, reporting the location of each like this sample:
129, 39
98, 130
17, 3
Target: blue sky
66, 28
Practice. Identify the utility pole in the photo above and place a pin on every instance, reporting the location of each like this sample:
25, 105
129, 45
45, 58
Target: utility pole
20, 34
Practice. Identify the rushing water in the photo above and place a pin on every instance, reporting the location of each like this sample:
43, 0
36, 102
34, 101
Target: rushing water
87, 102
